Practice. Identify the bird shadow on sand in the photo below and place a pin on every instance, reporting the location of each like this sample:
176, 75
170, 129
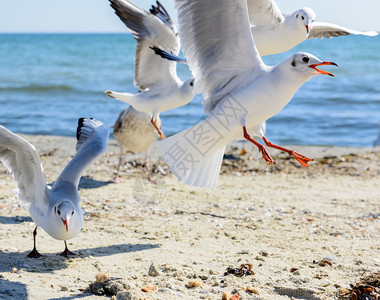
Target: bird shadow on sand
77, 296
89, 183
51, 262
12, 290
15, 220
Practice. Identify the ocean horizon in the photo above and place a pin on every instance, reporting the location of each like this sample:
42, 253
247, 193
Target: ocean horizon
48, 81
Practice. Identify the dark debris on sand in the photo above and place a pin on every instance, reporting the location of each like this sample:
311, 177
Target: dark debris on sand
367, 289
243, 270
109, 287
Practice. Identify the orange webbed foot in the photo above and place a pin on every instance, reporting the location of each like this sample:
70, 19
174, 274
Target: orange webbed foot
266, 156
303, 160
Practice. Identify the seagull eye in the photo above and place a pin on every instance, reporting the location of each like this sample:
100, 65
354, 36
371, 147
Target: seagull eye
72, 213
305, 59
191, 83
303, 18
58, 212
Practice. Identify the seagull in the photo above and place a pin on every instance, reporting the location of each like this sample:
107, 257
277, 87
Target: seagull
56, 209
276, 32
160, 88
239, 91
134, 132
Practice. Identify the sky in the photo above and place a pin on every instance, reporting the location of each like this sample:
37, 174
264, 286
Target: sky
77, 16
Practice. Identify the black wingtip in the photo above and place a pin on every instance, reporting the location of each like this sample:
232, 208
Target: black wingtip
157, 50
160, 12
80, 125
167, 55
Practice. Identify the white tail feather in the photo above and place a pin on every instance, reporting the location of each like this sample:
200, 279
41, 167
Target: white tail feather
125, 97
191, 163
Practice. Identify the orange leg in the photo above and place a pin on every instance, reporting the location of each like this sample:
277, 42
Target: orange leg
268, 159
303, 160
154, 123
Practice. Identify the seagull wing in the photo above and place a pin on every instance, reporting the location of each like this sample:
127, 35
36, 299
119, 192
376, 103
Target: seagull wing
264, 14
321, 30
216, 40
92, 137
150, 29
21, 158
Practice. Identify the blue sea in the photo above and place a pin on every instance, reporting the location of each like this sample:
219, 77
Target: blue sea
48, 81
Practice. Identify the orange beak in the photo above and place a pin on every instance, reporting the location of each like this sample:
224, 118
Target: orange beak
66, 224
307, 28
323, 64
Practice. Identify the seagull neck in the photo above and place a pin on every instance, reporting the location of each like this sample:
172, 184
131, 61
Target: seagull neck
287, 78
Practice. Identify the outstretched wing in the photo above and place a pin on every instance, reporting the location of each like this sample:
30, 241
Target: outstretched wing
320, 30
21, 158
264, 14
217, 42
92, 137
153, 28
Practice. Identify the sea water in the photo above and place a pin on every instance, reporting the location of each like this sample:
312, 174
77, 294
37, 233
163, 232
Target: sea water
48, 81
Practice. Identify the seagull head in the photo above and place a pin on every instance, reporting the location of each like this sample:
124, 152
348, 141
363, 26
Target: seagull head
306, 64
304, 17
188, 86
63, 211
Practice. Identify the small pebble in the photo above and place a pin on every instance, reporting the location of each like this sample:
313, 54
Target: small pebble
101, 277
253, 290
124, 296
148, 288
153, 271
194, 283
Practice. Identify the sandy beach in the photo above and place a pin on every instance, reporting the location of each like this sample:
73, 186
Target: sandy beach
305, 233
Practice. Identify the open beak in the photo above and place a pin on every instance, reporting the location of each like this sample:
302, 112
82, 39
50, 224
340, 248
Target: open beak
323, 64
307, 28
66, 224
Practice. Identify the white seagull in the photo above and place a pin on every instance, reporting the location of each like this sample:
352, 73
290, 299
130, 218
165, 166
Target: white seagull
239, 91
160, 87
275, 32
134, 132
56, 209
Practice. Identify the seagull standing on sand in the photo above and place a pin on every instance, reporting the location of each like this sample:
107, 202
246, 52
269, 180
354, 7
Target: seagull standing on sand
134, 132
239, 91
160, 87
275, 32
55, 209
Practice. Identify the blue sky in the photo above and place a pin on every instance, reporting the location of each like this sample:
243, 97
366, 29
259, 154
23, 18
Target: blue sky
97, 16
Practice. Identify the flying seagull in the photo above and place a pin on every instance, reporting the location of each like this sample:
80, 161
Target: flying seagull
160, 88
239, 91
276, 32
56, 209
